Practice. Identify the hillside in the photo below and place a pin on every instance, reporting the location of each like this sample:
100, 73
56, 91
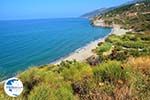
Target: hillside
134, 16
97, 12
102, 11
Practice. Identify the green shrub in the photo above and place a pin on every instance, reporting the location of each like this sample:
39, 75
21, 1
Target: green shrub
35, 76
142, 87
136, 53
84, 86
111, 71
131, 44
64, 93
104, 47
42, 92
130, 37
107, 88
76, 71
103, 58
46, 92
116, 40
145, 38
118, 48
118, 55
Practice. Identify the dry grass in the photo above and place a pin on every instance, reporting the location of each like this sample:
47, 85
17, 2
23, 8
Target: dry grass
141, 64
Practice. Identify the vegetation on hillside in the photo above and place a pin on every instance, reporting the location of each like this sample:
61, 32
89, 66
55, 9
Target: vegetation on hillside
134, 16
122, 47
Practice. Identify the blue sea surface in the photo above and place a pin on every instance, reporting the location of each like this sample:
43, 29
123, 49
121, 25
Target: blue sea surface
25, 43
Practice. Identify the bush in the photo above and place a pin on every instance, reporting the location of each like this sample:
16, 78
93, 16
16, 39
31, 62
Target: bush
116, 40
131, 44
111, 71
75, 71
134, 52
42, 92
139, 52
142, 87
46, 92
118, 55
130, 37
65, 93
35, 76
84, 86
141, 65
104, 47
145, 38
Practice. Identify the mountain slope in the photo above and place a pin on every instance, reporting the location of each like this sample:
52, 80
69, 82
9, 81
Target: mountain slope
102, 11
97, 12
134, 16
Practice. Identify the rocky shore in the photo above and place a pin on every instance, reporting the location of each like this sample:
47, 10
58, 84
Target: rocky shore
100, 23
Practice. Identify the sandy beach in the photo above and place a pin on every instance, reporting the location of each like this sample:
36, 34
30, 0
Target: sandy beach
85, 52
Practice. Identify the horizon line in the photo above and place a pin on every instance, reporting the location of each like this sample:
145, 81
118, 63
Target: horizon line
39, 18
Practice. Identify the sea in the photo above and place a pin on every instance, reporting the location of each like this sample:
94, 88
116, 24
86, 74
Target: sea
35, 42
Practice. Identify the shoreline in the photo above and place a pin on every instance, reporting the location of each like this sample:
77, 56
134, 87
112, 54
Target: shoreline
81, 54
85, 52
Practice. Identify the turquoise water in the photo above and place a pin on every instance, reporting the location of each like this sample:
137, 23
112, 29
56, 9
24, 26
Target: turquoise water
26, 43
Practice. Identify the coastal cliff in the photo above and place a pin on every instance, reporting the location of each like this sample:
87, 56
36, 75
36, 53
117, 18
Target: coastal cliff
100, 23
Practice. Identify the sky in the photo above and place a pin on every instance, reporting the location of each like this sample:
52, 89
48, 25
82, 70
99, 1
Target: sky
35, 9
